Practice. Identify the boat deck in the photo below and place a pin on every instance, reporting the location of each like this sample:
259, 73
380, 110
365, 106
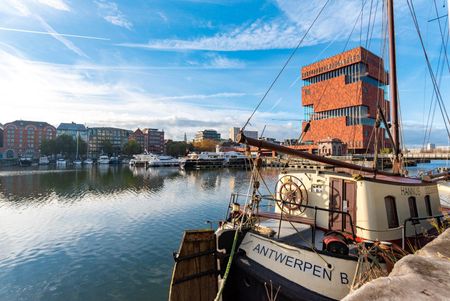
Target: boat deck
300, 236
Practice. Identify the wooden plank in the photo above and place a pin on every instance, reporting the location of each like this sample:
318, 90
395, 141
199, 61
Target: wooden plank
195, 275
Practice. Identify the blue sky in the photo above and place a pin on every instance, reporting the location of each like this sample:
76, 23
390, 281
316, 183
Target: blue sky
187, 65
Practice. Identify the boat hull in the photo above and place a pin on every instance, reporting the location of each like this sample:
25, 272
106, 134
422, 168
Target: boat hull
202, 163
249, 280
300, 272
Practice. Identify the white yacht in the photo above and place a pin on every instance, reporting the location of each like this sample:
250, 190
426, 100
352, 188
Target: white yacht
163, 161
141, 159
203, 160
88, 162
103, 159
61, 162
43, 160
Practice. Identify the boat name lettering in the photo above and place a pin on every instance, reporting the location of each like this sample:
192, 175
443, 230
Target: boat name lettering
407, 190
295, 263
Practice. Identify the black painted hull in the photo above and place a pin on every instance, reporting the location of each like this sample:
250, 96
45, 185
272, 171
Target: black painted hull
201, 164
248, 281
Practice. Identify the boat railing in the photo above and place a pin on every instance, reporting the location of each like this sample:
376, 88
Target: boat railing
234, 198
415, 220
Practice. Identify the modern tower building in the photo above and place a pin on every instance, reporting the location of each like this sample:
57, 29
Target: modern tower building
234, 131
207, 135
340, 97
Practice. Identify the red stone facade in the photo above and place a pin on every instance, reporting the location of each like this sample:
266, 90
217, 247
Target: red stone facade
24, 138
340, 97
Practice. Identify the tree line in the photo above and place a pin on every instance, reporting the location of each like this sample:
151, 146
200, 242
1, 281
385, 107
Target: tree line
66, 146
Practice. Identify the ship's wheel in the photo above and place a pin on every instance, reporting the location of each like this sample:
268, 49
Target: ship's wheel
292, 194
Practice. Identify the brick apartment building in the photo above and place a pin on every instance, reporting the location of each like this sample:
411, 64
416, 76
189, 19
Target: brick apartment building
98, 135
154, 141
340, 97
24, 138
139, 137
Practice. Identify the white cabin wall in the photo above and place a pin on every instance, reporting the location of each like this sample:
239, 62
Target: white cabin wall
371, 209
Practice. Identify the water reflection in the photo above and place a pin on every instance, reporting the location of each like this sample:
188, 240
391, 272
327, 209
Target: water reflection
102, 233
69, 184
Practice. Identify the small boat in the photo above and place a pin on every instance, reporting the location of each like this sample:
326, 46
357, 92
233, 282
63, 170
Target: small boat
103, 159
203, 160
44, 160
114, 160
77, 162
61, 162
25, 161
88, 162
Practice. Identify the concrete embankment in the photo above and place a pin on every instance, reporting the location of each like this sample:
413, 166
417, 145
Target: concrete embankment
422, 276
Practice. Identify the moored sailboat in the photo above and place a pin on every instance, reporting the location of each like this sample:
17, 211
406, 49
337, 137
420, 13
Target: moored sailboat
330, 230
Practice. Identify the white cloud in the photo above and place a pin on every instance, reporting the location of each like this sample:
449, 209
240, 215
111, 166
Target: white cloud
50, 92
111, 13
335, 23
279, 33
163, 16
222, 62
56, 4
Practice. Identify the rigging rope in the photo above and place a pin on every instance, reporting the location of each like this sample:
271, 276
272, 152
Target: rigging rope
285, 64
442, 35
430, 70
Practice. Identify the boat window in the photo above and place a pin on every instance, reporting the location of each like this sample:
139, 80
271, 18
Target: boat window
391, 211
428, 205
413, 208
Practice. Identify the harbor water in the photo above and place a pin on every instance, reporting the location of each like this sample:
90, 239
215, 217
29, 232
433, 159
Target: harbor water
105, 232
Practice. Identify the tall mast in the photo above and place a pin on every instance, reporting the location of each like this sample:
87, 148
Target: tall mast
393, 87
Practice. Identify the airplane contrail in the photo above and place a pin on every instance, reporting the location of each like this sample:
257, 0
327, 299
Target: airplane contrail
53, 34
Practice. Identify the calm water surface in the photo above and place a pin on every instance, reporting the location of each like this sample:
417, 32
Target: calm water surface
105, 233
102, 233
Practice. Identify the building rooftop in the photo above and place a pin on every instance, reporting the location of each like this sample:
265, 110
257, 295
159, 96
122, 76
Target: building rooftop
28, 122
71, 126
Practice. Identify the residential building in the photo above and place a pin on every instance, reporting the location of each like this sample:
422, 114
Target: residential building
139, 137
340, 98
72, 129
98, 135
24, 138
207, 135
154, 141
234, 131
331, 147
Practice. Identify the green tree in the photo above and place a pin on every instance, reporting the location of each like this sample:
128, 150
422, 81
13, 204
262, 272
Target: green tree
66, 146
107, 148
207, 145
177, 148
132, 148
48, 147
